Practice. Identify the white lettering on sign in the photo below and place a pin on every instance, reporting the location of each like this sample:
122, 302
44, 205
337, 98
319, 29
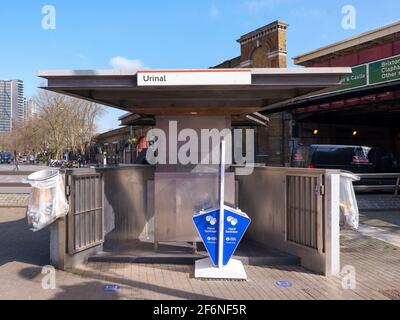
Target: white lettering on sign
193, 78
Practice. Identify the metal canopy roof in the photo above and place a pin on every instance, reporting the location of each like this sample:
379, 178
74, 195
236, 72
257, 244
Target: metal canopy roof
325, 96
119, 89
380, 35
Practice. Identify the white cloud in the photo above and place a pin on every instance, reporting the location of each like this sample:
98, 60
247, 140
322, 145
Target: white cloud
214, 11
119, 62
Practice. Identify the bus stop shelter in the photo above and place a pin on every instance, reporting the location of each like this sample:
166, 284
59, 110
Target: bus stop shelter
293, 210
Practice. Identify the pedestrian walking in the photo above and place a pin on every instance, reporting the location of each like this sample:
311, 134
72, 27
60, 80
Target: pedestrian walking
16, 161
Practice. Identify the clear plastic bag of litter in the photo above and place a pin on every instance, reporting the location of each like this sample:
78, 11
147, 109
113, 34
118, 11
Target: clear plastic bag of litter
47, 201
349, 213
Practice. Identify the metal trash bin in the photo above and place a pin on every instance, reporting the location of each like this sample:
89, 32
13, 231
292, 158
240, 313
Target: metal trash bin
47, 200
349, 213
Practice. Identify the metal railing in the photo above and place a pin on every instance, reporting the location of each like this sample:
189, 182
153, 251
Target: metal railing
296, 211
379, 187
305, 211
85, 225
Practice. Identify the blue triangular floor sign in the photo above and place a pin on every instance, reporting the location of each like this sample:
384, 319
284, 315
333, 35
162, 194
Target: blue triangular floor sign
236, 223
207, 224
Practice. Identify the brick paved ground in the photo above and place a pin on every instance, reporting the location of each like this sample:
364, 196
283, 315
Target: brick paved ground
12, 182
22, 254
12, 178
14, 200
383, 225
378, 202
22, 167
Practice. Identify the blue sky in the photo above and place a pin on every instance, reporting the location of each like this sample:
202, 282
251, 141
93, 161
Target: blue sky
163, 33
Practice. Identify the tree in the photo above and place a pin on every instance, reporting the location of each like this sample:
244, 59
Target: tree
62, 124
69, 123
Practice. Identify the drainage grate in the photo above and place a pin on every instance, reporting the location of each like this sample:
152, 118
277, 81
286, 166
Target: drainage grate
391, 294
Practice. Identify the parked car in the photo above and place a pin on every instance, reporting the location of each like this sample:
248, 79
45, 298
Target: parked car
384, 162
6, 157
23, 159
356, 159
349, 158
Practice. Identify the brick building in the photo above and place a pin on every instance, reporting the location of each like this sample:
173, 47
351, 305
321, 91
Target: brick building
362, 112
366, 109
266, 48
261, 48
119, 145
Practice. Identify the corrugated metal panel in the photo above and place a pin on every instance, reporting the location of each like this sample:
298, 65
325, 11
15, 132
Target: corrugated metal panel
86, 218
305, 218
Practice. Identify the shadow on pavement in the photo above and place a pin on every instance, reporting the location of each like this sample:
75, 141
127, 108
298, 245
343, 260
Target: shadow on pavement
89, 290
133, 284
30, 273
389, 220
18, 243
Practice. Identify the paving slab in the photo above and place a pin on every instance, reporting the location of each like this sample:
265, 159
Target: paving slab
22, 168
135, 251
14, 200
24, 253
382, 225
374, 202
15, 190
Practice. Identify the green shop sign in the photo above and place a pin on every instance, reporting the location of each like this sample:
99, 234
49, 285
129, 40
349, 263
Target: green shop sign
376, 72
357, 79
384, 70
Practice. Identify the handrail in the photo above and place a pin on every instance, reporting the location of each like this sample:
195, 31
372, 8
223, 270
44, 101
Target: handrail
378, 175
396, 187
16, 173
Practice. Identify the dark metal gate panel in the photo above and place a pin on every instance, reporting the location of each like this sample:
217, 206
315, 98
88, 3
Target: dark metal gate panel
86, 216
305, 212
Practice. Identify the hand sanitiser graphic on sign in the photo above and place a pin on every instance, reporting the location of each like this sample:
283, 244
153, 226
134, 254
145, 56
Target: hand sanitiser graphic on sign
207, 225
221, 229
235, 227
